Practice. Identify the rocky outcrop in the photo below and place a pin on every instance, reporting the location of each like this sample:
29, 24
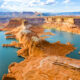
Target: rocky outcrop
44, 68
13, 23
33, 45
63, 27
13, 44
10, 37
43, 60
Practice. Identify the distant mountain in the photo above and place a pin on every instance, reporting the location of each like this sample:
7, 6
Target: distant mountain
16, 14
24, 14
3, 10
6, 16
63, 13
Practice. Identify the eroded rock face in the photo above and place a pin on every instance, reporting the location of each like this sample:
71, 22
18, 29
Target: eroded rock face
32, 44
63, 27
43, 60
5, 77
13, 23
44, 68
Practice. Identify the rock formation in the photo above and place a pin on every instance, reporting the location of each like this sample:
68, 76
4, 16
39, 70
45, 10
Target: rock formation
44, 68
13, 23
34, 45
63, 23
43, 60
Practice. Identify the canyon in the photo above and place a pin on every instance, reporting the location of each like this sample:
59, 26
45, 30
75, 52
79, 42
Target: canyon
63, 23
42, 60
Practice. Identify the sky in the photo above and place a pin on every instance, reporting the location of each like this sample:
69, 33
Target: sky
52, 6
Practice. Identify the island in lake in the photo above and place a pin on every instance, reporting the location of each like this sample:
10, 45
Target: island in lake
49, 45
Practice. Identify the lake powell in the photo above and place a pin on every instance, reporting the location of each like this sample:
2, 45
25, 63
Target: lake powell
7, 55
65, 37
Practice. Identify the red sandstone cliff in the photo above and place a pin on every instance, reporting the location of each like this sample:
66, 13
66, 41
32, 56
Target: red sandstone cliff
43, 68
43, 60
63, 27
13, 23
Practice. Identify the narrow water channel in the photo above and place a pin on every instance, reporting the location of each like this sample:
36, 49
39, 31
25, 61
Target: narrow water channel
7, 55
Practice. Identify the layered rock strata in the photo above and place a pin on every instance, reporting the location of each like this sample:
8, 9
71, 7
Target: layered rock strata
13, 23
44, 68
43, 60
63, 23
63, 27
32, 42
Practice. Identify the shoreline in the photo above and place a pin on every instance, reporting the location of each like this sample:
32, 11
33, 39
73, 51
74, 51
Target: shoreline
61, 28
36, 50
7, 55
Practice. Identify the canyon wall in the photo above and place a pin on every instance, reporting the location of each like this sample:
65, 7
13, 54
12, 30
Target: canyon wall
43, 60
63, 23
43, 68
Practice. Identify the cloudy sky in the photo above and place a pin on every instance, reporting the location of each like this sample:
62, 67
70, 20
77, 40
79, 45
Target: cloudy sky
40, 5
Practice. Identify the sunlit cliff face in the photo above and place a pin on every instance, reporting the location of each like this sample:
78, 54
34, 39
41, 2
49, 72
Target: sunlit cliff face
43, 68
25, 25
43, 60
25, 31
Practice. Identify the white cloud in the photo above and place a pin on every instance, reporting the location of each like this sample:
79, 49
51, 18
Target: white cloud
50, 1
40, 3
66, 1
30, 5
34, 2
26, 5
31, 2
15, 0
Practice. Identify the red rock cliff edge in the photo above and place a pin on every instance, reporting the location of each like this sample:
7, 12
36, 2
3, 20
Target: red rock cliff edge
43, 60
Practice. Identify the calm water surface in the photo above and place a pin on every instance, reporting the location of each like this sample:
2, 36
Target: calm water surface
7, 55
66, 37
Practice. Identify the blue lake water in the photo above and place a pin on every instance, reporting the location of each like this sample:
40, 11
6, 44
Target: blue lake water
7, 55
65, 37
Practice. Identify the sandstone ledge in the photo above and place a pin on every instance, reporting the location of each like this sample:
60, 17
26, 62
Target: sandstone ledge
44, 68
43, 60
62, 27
